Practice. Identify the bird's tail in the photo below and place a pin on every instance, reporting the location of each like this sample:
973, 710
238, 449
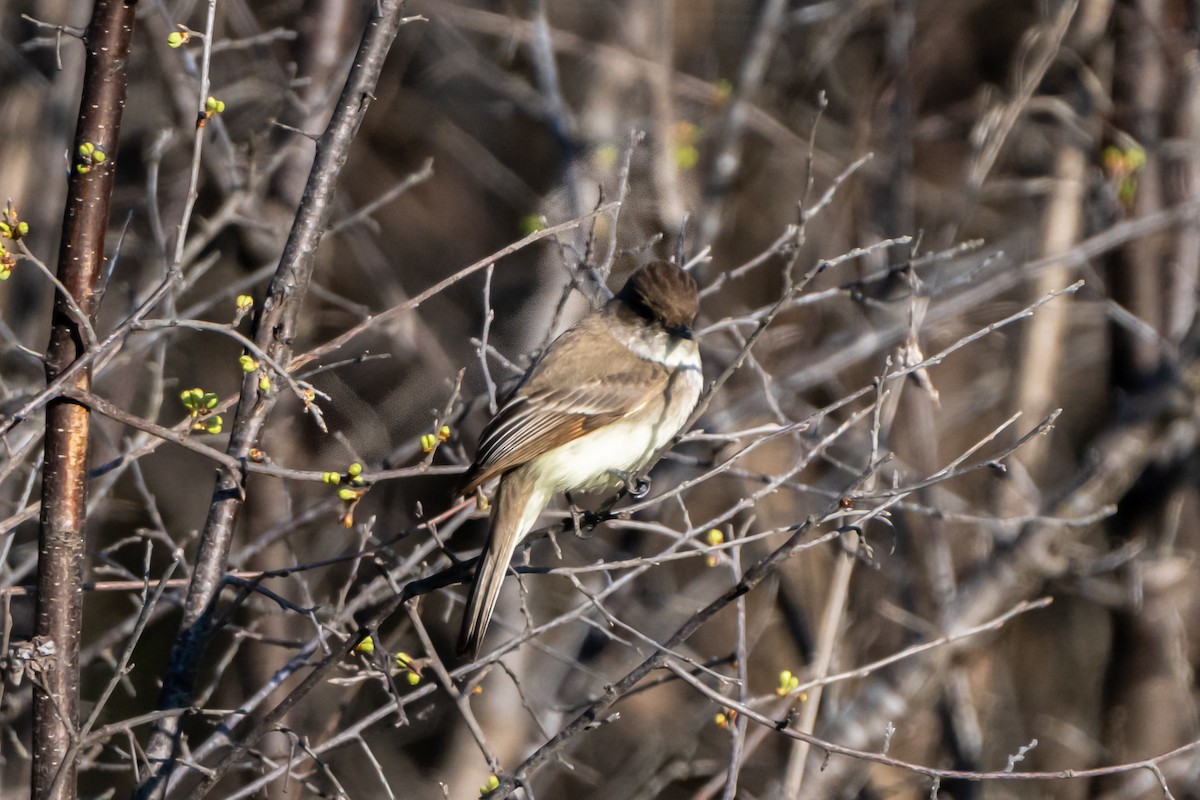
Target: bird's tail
519, 501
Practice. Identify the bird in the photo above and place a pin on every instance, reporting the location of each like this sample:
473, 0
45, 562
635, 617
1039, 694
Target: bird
588, 415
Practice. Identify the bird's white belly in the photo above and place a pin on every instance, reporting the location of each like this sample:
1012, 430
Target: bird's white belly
626, 445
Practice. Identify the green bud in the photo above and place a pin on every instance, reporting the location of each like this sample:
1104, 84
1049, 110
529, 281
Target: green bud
191, 397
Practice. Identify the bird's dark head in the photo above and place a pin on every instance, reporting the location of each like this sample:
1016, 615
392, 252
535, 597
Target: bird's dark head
663, 293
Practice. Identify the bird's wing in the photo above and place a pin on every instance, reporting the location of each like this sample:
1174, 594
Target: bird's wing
539, 418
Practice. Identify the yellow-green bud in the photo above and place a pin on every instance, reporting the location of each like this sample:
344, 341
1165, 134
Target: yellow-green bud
13, 230
532, 223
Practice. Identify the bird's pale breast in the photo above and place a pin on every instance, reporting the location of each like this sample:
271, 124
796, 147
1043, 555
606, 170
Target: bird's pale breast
586, 463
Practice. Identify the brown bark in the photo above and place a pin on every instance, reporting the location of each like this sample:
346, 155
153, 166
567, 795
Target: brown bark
64, 479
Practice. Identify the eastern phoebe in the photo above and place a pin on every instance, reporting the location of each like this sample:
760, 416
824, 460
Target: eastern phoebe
588, 415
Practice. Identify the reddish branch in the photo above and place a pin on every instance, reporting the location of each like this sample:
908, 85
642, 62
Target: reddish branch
64, 479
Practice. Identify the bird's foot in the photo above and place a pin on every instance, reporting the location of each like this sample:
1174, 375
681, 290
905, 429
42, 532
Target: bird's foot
637, 486
578, 518
583, 522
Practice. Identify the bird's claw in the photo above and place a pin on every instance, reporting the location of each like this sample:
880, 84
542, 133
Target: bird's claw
591, 519
637, 486
583, 523
640, 488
